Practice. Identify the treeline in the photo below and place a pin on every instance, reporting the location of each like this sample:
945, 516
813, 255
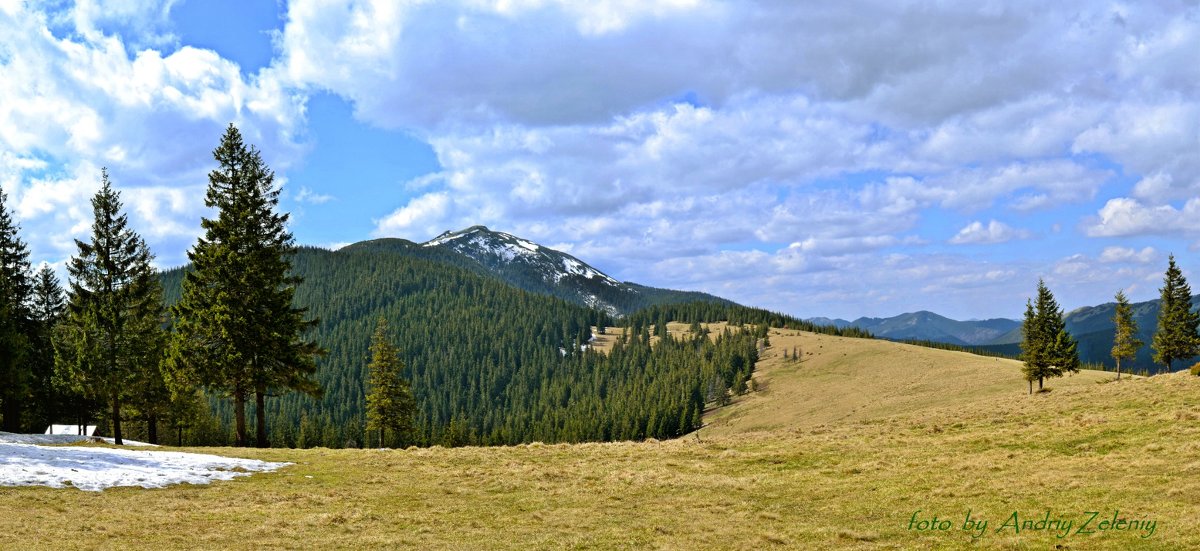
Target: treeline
977, 350
737, 315
261, 341
1049, 350
31, 305
488, 363
109, 350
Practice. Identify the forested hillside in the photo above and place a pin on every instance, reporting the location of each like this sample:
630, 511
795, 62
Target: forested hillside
489, 363
532, 267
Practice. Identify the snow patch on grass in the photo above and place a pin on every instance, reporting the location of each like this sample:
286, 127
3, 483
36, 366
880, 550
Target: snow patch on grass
95, 469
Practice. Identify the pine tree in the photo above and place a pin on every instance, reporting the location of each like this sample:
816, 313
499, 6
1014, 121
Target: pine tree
15, 289
390, 403
1176, 336
1047, 347
1125, 341
237, 330
113, 310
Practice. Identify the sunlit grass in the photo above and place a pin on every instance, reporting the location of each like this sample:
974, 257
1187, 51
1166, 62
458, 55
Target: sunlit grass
849, 482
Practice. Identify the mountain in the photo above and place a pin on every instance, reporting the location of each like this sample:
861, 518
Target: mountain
928, 326
835, 322
491, 361
535, 268
1091, 326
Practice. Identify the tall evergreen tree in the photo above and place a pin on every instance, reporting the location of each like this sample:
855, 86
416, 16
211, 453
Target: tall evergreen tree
237, 330
1176, 336
1047, 347
15, 289
113, 310
390, 403
47, 309
1125, 341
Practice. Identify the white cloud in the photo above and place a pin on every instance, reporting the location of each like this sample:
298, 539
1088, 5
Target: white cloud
83, 89
1112, 255
421, 214
994, 232
1124, 216
650, 136
306, 195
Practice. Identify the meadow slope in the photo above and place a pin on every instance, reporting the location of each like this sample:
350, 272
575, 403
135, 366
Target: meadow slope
841, 379
806, 476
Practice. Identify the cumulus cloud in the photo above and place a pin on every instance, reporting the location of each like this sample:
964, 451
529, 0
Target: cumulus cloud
652, 137
994, 232
101, 84
1112, 255
1124, 216
422, 214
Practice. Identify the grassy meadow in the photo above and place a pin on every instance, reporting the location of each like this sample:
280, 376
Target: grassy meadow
837, 451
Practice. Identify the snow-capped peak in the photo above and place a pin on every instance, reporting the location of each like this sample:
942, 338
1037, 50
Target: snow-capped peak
483, 244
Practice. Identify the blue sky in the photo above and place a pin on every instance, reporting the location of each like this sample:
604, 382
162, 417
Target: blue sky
863, 158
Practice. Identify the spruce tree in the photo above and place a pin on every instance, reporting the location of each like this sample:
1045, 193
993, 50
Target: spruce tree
47, 309
15, 289
152, 400
1031, 346
113, 310
1176, 336
1047, 347
1125, 341
390, 403
237, 330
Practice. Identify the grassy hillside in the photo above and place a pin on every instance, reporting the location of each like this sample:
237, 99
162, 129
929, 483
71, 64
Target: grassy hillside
870, 379
849, 474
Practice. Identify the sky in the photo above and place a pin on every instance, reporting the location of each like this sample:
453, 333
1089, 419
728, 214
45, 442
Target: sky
841, 159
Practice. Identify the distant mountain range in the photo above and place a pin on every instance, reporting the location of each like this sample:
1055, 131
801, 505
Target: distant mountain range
1092, 327
929, 326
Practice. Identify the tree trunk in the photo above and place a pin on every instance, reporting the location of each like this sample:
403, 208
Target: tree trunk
239, 413
1040, 384
1031, 387
180, 429
381, 437
152, 429
1118, 369
116, 419
260, 418
12, 412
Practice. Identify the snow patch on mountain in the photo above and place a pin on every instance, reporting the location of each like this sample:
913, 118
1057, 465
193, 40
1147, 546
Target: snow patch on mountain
479, 241
572, 266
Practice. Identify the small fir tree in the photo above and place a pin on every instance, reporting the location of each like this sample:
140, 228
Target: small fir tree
1047, 347
390, 403
1125, 341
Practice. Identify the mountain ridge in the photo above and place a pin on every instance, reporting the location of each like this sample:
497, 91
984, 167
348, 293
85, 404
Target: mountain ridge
1091, 326
536, 268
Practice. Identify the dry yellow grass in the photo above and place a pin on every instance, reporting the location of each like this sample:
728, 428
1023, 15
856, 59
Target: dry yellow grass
843, 379
604, 343
849, 482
